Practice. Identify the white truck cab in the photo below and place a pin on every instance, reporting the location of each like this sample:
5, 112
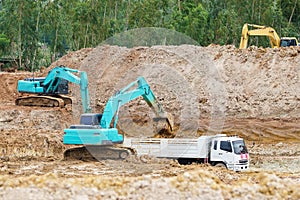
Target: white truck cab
230, 151
218, 150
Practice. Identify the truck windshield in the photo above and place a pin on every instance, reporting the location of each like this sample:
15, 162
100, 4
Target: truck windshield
239, 147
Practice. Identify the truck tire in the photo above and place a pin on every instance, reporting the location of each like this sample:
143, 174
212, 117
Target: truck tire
123, 154
184, 161
221, 165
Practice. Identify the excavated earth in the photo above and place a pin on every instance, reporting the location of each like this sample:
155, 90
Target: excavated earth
252, 93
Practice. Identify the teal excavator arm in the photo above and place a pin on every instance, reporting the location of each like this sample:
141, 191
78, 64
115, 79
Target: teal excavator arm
128, 94
59, 73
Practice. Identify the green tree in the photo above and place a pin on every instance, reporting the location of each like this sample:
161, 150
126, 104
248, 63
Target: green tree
40, 29
191, 19
4, 45
226, 29
19, 23
56, 27
153, 13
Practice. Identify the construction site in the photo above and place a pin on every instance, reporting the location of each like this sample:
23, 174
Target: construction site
252, 93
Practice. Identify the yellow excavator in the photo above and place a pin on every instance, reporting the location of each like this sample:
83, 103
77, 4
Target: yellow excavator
258, 30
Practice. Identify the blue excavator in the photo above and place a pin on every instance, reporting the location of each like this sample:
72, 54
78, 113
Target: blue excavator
50, 91
98, 133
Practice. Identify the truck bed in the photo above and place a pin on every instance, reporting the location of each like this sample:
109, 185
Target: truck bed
171, 148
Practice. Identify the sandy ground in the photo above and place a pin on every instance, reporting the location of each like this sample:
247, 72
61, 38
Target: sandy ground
252, 93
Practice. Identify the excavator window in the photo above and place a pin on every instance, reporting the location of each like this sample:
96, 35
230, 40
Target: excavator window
98, 120
287, 43
86, 120
283, 43
90, 119
293, 43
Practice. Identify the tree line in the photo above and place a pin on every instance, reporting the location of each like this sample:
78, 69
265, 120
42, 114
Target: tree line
36, 32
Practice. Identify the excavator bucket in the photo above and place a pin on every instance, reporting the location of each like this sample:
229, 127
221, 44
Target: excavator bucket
164, 125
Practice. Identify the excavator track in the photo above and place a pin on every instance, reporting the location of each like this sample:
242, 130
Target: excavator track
44, 101
98, 153
67, 100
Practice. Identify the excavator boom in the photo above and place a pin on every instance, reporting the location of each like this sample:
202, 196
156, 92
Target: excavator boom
128, 94
259, 31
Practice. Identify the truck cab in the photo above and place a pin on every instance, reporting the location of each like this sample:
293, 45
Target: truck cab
230, 152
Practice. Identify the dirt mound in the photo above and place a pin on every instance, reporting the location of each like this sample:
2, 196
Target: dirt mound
202, 87
8, 86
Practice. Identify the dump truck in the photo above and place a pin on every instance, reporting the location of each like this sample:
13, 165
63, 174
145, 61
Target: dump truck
219, 150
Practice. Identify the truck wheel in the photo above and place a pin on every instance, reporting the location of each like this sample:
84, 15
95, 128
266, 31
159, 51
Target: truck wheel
183, 161
221, 165
123, 154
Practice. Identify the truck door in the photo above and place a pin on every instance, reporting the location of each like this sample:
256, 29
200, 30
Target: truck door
226, 151
214, 152
222, 151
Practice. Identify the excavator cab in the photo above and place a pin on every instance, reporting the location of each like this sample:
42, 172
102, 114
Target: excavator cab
288, 41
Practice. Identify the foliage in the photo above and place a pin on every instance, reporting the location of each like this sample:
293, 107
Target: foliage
38, 32
4, 44
191, 19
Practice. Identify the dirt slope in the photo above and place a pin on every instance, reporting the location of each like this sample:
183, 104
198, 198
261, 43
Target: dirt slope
249, 92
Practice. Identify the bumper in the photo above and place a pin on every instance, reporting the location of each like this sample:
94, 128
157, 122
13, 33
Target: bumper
238, 167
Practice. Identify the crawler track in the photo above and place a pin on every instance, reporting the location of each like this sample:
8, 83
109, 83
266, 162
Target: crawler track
44, 101
98, 153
